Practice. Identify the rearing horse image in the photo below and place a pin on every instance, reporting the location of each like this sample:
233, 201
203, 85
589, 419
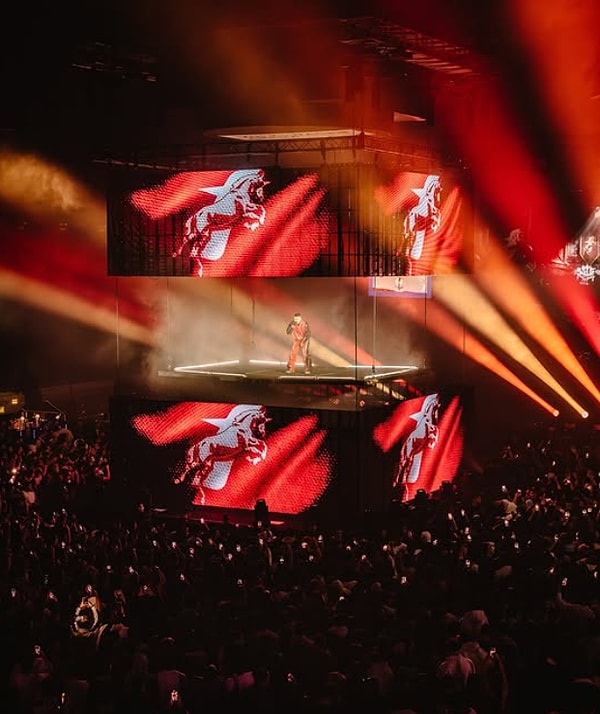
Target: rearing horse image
238, 203
423, 436
422, 218
240, 435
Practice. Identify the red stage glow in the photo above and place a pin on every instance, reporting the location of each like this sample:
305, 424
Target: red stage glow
581, 305
68, 264
503, 167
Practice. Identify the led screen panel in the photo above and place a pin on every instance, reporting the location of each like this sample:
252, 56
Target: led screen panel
229, 455
428, 212
426, 437
269, 222
226, 455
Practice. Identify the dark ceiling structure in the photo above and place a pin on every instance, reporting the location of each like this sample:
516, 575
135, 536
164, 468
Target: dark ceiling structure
85, 82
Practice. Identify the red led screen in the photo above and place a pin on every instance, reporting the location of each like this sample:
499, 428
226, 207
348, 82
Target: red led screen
428, 435
430, 240
231, 455
227, 455
257, 222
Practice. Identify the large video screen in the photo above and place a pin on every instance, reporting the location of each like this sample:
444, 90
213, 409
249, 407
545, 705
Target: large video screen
271, 222
226, 455
426, 436
229, 455
428, 212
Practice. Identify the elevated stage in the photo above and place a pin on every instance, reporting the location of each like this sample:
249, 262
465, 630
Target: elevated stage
273, 370
349, 387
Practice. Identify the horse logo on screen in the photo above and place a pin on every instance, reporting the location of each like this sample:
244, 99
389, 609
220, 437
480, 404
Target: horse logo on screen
426, 216
241, 434
239, 202
423, 436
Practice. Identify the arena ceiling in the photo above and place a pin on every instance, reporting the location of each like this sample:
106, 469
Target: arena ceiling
83, 78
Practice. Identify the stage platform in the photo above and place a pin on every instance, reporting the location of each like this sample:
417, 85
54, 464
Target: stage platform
347, 387
269, 370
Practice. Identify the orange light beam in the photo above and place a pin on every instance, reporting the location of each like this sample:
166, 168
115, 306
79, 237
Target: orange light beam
508, 288
508, 180
569, 82
38, 188
466, 301
562, 42
50, 298
446, 326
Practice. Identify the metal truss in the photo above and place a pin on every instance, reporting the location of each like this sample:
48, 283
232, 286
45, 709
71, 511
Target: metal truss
390, 40
360, 148
106, 59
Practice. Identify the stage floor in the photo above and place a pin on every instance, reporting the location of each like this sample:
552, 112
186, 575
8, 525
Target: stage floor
268, 370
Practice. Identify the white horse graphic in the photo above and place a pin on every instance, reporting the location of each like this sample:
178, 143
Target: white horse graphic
237, 203
241, 434
424, 436
424, 217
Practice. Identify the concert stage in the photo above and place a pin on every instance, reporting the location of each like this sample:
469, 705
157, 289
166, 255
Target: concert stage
347, 387
272, 370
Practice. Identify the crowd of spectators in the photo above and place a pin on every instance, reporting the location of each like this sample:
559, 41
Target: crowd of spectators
483, 597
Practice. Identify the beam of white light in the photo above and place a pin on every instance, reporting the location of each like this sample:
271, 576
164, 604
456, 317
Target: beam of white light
53, 300
202, 367
41, 189
466, 301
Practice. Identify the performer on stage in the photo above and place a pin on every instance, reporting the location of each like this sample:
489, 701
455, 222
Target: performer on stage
300, 331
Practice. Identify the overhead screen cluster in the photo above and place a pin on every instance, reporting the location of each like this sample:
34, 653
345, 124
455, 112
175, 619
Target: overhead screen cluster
334, 221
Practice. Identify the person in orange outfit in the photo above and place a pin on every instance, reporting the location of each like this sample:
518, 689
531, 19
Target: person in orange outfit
299, 329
